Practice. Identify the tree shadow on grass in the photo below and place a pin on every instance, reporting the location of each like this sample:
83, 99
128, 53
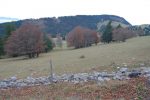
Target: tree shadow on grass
18, 58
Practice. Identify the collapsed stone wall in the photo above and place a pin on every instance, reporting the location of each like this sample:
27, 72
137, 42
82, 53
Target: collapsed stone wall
121, 74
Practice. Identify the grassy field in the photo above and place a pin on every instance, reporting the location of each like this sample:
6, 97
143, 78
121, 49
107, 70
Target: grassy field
100, 57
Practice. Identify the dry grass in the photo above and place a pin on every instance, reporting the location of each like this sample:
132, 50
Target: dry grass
134, 89
134, 51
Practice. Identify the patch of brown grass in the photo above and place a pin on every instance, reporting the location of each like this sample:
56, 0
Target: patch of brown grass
133, 89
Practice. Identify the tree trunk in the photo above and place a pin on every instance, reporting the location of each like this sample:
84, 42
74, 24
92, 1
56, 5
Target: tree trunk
29, 54
37, 54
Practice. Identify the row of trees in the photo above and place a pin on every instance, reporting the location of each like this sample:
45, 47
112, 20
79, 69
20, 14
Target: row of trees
82, 37
119, 33
28, 39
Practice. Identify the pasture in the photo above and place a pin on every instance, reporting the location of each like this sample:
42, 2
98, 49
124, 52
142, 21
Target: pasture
108, 57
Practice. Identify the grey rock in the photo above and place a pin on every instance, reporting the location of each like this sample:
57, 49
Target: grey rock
47, 83
96, 73
147, 75
30, 80
107, 79
67, 77
91, 77
146, 70
123, 70
100, 79
118, 77
81, 76
14, 78
22, 84
105, 74
134, 73
3, 84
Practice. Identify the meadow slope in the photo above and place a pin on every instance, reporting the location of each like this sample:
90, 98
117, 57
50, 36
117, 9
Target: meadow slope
101, 57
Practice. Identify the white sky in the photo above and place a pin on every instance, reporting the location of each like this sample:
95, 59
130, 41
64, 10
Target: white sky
134, 11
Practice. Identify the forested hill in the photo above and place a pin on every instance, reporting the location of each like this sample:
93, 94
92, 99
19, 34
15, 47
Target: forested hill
65, 24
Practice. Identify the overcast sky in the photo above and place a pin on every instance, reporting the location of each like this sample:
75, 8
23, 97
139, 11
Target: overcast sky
134, 11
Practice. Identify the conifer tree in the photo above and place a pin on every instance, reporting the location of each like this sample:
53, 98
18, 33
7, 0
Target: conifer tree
107, 35
119, 26
1, 47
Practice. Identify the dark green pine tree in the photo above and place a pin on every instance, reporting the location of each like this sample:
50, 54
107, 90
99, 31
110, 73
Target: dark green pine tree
8, 29
1, 47
107, 35
119, 26
48, 43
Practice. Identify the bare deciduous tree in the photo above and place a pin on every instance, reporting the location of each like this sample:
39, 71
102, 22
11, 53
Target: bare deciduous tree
121, 34
26, 40
82, 37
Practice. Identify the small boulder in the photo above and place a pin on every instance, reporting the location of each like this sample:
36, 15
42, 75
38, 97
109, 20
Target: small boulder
134, 74
3, 84
118, 77
100, 79
14, 78
123, 70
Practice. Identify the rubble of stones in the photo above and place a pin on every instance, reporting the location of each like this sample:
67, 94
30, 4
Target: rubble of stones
121, 74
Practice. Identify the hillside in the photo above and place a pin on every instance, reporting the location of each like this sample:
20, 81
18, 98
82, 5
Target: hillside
102, 25
101, 57
144, 27
65, 24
